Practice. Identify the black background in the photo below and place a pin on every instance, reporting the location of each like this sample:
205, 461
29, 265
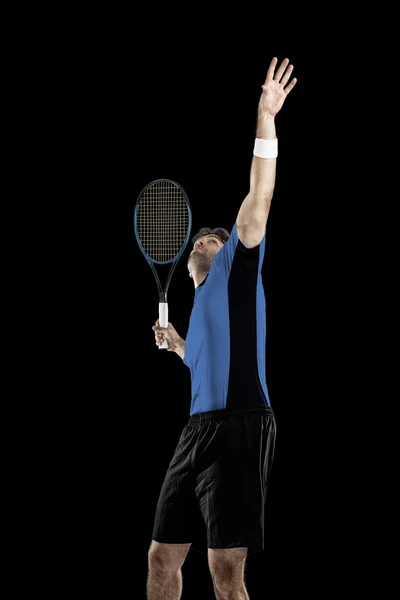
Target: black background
190, 115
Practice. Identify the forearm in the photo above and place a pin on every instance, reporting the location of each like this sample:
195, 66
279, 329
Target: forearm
180, 349
263, 170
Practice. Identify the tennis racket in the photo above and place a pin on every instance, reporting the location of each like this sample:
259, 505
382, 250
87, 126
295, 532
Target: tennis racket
162, 225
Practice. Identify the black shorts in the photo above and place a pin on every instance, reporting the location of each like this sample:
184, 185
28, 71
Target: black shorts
214, 491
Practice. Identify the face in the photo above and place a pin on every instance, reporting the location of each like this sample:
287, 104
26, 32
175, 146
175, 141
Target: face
202, 255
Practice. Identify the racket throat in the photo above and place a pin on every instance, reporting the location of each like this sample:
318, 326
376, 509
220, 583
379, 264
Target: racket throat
162, 297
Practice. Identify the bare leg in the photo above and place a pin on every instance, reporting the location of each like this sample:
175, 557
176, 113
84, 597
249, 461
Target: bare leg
239, 595
165, 577
227, 572
161, 586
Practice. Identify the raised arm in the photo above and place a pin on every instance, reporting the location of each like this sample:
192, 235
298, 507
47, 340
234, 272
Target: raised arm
253, 213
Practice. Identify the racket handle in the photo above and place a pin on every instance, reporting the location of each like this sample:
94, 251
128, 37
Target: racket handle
163, 319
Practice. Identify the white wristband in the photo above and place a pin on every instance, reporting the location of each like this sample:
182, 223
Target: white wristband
265, 148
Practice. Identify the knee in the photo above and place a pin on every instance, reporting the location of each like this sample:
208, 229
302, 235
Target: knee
225, 580
160, 561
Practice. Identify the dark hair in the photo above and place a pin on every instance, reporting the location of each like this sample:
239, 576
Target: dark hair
220, 232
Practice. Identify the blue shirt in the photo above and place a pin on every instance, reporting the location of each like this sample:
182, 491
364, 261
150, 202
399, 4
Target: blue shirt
226, 338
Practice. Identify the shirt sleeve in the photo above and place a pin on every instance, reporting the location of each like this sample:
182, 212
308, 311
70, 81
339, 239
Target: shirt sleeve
235, 250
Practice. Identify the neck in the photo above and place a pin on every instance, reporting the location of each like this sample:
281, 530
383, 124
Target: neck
198, 278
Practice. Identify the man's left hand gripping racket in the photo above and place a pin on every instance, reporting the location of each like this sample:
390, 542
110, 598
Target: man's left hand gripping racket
162, 224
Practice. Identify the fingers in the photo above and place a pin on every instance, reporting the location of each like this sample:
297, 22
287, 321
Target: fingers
291, 85
270, 72
159, 337
281, 69
159, 333
157, 324
157, 329
287, 75
282, 75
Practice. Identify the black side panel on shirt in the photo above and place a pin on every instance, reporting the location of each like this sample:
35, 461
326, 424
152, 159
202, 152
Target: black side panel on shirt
244, 388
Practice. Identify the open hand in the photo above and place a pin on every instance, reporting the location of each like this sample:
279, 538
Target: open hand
276, 87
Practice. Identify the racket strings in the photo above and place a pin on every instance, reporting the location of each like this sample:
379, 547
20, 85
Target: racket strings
162, 221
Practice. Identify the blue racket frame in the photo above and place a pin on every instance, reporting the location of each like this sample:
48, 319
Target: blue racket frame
174, 261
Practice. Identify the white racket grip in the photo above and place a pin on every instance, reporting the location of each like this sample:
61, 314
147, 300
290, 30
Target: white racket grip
163, 319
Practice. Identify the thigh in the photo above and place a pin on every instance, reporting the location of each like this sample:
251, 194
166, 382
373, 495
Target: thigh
232, 489
178, 518
232, 476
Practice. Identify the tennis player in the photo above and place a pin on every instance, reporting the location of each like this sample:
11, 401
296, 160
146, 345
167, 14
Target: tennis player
217, 478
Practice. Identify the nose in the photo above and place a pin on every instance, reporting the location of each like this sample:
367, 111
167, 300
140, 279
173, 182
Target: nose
198, 243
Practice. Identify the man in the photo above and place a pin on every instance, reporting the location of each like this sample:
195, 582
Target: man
218, 475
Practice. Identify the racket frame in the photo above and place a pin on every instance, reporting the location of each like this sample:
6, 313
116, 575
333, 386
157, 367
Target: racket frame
162, 291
